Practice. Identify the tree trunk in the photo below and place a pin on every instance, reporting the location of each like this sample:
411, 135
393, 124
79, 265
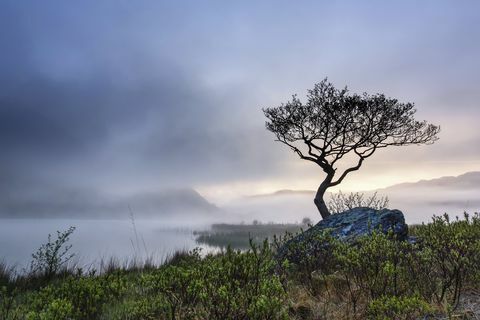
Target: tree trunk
321, 206
319, 202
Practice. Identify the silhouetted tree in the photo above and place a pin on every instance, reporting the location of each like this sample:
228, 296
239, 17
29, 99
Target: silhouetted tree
334, 123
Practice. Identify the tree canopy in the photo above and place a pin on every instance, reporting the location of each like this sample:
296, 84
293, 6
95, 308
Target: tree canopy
333, 123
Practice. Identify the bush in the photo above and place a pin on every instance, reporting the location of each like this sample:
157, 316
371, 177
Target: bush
229, 285
82, 297
449, 255
176, 287
54, 309
8, 303
373, 268
398, 308
242, 285
139, 308
312, 252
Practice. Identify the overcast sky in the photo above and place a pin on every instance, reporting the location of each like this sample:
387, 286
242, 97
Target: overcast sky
130, 96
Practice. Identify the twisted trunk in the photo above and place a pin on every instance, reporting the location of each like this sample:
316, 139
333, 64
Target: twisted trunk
318, 200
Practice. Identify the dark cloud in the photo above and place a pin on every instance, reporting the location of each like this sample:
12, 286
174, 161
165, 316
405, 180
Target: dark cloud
116, 96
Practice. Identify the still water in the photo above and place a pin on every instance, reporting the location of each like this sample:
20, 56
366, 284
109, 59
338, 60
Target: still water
95, 240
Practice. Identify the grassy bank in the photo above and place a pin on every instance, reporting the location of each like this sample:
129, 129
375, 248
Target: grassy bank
238, 236
379, 278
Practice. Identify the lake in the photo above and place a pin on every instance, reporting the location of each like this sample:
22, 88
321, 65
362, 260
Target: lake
94, 240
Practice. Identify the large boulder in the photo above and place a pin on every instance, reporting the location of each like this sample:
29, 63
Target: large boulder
347, 226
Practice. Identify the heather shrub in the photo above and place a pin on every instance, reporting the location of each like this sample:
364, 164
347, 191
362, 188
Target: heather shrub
397, 308
243, 285
301, 259
79, 297
448, 256
229, 285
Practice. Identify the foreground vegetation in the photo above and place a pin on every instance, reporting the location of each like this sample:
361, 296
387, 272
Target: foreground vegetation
378, 278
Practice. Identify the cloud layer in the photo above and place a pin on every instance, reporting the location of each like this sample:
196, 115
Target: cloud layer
126, 97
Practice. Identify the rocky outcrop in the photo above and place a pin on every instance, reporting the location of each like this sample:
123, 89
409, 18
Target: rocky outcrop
347, 226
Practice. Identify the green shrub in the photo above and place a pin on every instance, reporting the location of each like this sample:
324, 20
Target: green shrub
53, 310
241, 285
139, 308
300, 259
373, 267
397, 308
178, 286
8, 303
229, 285
451, 252
83, 296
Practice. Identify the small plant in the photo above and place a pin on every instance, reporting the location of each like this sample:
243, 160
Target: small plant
52, 256
341, 202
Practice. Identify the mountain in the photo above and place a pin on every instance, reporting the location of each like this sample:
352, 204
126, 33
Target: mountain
466, 181
419, 201
86, 203
172, 201
283, 192
422, 199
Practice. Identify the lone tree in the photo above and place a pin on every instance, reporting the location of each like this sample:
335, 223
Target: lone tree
334, 123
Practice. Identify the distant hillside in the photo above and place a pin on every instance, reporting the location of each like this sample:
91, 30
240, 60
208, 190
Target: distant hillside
452, 195
284, 192
469, 180
418, 200
80, 203
177, 201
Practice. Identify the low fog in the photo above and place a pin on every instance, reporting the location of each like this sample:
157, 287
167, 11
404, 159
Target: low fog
419, 201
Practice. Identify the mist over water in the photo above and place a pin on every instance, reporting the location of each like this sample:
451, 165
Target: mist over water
137, 237
95, 240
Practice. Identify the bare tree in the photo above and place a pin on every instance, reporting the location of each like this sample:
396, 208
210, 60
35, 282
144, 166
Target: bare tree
333, 123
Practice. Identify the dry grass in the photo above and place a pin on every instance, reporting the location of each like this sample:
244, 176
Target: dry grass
328, 298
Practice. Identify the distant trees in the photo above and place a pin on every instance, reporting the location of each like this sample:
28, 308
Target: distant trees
306, 221
334, 123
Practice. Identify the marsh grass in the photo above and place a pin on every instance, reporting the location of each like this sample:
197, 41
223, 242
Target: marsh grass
238, 236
